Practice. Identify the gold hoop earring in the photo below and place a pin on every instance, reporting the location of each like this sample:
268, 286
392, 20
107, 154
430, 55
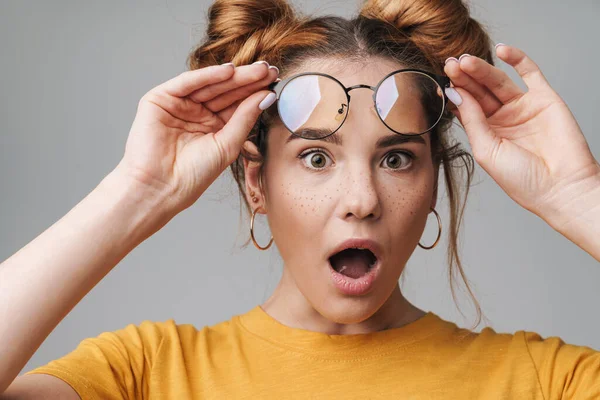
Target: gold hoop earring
252, 232
439, 232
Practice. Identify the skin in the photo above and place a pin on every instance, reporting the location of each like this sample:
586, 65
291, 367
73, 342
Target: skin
520, 139
356, 192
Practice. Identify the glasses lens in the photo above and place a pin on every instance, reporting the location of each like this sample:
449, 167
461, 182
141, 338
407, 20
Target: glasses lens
410, 103
313, 106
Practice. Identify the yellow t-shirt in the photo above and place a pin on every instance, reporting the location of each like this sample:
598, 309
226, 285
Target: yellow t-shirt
253, 356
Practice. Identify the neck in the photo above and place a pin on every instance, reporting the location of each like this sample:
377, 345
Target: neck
290, 307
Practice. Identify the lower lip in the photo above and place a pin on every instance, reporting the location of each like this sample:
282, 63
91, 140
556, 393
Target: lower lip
358, 286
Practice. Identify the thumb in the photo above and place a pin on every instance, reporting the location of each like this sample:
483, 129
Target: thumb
474, 121
235, 132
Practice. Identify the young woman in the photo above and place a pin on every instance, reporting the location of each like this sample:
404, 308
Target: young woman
346, 186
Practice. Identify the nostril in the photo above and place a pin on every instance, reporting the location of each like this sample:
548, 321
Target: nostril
357, 215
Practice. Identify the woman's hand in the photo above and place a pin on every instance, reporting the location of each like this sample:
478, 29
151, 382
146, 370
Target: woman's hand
528, 142
190, 128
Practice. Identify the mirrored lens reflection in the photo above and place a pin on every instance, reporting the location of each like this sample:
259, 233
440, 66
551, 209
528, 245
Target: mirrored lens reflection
410, 102
313, 106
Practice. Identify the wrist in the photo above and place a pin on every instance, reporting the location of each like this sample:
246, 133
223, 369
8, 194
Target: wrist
146, 209
573, 202
578, 218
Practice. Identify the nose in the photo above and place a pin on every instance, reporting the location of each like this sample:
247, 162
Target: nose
359, 197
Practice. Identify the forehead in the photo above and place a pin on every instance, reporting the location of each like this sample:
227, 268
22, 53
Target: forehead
349, 72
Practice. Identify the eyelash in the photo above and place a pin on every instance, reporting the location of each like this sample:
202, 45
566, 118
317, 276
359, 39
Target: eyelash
308, 152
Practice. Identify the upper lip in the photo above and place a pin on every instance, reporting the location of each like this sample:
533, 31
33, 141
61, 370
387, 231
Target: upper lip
359, 243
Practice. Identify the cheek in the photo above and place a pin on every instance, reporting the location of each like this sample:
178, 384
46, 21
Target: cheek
410, 201
406, 205
297, 209
305, 204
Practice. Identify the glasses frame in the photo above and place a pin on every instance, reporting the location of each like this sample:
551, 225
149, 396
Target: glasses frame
442, 80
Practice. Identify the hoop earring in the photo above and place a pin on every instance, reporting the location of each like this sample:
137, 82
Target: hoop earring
439, 232
252, 233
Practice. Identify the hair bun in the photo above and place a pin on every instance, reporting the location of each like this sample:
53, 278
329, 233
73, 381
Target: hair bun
243, 31
440, 28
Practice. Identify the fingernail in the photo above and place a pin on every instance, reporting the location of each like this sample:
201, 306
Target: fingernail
275, 68
464, 55
450, 58
261, 62
454, 96
229, 63
500, 44
268, 101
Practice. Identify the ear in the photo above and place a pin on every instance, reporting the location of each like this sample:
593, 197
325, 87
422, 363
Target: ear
254, 185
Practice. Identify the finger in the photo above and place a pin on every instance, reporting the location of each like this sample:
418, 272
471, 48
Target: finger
244, 75
233, 135
190, 81
228, 98
181, 113
482, 138
227, 113
525, 67
492, 78
488, 101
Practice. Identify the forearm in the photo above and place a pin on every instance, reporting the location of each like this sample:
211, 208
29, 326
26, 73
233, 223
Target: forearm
579, 220
42, 282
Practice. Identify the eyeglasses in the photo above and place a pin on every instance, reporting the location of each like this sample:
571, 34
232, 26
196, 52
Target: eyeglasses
313, 105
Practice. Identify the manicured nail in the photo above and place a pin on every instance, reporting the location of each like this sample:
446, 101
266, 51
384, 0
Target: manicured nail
275, 68
261, 62
450, 58
454, 96
268, 101
464, 55
500, 44
229, 64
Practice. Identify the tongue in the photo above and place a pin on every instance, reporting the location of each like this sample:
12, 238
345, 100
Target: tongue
352, 262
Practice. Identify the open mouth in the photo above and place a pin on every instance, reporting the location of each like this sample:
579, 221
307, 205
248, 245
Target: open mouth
353, 262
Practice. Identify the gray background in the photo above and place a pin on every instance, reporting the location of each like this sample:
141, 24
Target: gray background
72, 73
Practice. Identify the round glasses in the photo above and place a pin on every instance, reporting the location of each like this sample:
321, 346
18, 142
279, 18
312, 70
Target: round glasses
313, 105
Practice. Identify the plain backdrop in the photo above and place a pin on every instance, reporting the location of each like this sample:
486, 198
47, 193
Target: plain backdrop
72, 73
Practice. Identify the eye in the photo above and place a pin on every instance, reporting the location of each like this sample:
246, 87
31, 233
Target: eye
315, 159
394, 160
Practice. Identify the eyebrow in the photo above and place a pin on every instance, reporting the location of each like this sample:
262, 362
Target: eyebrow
336, 139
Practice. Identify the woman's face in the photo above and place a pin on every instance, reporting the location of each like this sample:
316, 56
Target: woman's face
317, 194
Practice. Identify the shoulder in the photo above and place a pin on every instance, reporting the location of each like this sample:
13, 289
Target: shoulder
557, 368
494, 345
170, 336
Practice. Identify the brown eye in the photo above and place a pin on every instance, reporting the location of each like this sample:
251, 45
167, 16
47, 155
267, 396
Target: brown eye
394, 160
315, 159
